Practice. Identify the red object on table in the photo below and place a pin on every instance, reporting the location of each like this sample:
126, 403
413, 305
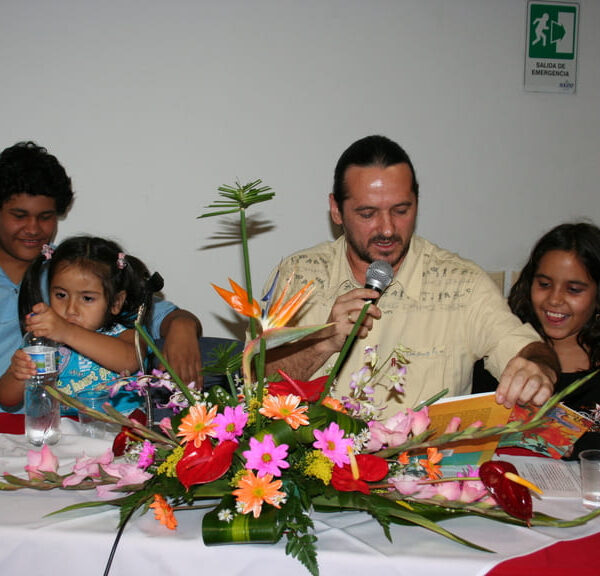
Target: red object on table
571, 557
12, 423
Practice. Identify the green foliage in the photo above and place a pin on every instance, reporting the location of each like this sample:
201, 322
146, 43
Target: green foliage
301, 542
238, 197
303, 548
223, 359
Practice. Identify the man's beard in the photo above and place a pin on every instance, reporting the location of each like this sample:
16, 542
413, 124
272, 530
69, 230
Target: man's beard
365, 256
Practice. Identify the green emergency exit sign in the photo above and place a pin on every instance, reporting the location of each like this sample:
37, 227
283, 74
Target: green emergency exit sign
551, 52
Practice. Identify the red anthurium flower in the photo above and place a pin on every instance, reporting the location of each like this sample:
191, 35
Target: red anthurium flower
120, 441
370, 469
205, 463
513, 497
308, 391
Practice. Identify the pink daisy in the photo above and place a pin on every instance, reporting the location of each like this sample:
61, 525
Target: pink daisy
332, 443
230, 424
266, 457
146, 455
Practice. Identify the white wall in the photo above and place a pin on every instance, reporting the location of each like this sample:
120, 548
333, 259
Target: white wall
152, 105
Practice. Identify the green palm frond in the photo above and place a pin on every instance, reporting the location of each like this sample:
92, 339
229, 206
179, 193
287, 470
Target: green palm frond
238, 197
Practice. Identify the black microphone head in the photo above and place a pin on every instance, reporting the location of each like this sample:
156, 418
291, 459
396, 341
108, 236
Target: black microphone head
379, 275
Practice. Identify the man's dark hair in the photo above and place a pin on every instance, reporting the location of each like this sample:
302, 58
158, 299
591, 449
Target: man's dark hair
27, 168
370, 151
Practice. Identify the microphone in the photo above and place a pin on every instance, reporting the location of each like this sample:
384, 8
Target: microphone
379, 276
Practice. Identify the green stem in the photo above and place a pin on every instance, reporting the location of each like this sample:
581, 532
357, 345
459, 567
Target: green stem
344, 351
556, 398
182, 387
431, 400
231, 385
260, 381
247, 273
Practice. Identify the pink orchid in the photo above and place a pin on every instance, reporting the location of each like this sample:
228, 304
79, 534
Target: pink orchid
230, 424
453, 425
420, 420
87, 468
398, 378
332, 443
127, 475
409, 486
472, 490
393, 432
165, 425
146, 455
449, 490
266, 457
40, 462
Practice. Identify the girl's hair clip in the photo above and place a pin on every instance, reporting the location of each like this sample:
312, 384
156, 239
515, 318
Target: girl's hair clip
47, 251
121, 261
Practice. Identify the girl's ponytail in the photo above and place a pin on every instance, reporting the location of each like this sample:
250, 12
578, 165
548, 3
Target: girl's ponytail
31, 286
140, 287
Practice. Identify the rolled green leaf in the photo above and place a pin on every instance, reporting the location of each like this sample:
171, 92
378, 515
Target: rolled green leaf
243, 528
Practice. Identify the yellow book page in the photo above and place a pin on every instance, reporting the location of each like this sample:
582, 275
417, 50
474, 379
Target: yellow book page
470, 409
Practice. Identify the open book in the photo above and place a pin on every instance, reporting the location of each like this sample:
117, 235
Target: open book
562, 428
470, 409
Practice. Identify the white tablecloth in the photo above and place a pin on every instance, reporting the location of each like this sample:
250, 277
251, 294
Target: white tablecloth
78, 543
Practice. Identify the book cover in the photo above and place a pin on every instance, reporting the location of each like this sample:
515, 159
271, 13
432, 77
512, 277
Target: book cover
562, 429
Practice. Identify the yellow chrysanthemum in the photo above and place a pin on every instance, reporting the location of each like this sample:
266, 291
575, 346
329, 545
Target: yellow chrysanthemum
317, 465
167, 468
237, 477
253, 406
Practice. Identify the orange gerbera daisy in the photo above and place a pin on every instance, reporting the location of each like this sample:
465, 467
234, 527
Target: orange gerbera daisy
252, 491
334, 404
163, 512
198, 424
431, 464
285, 408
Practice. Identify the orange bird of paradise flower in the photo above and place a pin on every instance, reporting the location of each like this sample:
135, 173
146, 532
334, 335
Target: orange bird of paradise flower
198, 424
252, 491
163, 512
274, 316
285, 408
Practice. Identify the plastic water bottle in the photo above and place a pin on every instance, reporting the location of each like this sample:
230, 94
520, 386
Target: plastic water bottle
42, 411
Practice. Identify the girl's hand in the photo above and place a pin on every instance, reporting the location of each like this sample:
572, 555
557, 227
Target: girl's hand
22, 367
43, 321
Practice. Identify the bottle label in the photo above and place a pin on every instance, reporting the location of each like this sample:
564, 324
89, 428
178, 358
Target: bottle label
44, 358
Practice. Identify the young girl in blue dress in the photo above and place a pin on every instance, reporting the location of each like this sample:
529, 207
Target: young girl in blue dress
95, 291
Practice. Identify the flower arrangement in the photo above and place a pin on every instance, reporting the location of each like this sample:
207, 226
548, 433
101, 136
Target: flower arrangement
265, 453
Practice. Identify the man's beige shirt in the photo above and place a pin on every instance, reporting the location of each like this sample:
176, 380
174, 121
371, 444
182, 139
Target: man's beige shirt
445, 309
